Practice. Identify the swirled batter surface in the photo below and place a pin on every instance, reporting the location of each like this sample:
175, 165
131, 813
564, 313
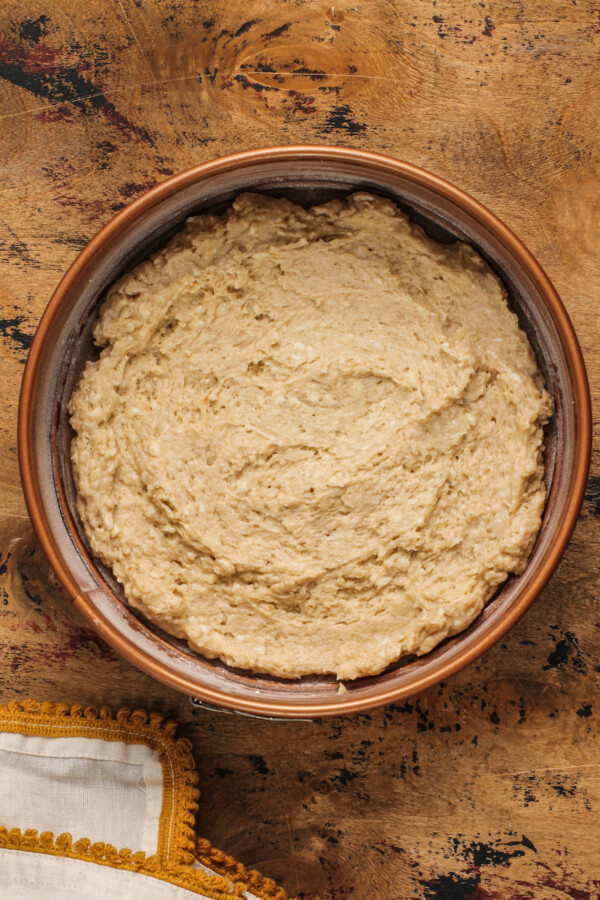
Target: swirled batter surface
313, 440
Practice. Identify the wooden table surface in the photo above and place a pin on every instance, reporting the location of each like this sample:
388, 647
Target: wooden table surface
487, 786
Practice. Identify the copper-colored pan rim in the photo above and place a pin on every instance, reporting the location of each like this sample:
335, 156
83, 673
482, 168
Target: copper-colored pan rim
346, 704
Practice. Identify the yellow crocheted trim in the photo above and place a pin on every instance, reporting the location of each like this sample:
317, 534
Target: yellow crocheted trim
214, 887
252, 881
176, 835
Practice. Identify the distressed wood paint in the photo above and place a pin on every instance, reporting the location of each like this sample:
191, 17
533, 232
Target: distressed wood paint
485, 787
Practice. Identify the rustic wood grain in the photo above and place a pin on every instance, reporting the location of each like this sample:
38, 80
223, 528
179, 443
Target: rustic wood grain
488, 786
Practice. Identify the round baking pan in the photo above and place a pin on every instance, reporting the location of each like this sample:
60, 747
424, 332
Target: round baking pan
63, 344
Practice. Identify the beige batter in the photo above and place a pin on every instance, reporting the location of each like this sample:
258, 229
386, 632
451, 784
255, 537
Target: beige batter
313, 440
